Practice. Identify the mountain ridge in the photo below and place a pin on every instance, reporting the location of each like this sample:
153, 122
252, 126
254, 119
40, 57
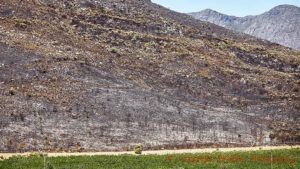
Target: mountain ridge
278, 25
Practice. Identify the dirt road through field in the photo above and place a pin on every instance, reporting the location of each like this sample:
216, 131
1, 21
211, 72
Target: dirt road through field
157, 152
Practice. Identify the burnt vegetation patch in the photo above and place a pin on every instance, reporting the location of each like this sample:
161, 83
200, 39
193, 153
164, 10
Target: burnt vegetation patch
112, 74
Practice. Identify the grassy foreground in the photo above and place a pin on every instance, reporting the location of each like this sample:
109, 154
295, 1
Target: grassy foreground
281, 159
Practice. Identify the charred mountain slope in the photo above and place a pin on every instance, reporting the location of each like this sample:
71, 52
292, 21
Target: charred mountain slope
107, 75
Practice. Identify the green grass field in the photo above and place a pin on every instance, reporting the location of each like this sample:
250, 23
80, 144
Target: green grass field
281, 159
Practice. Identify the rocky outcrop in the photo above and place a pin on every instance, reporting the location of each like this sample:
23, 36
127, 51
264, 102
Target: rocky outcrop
279, 25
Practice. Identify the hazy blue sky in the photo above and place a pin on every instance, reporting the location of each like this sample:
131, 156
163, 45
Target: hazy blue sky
230, 7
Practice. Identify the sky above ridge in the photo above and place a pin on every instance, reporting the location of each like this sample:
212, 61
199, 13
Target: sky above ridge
229, 7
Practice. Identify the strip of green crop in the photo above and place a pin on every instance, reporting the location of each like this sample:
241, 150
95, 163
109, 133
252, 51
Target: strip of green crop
277, 159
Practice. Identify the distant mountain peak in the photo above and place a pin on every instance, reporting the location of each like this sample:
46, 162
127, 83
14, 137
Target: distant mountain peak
284, 9
285, 6
277, 25
209, 10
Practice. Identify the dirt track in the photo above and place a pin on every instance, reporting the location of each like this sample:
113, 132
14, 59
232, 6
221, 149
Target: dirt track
158, 152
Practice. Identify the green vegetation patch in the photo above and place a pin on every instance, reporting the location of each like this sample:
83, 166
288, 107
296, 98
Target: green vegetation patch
276, 159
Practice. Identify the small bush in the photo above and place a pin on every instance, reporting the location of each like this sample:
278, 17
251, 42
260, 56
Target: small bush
12, 91
22, 24
272, 135
33, 155
138, 149
50, 166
